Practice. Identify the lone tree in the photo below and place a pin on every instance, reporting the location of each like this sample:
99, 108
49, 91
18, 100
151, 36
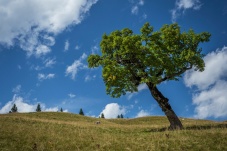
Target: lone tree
149, 58
120, 116
102, 115
38, 109
81, 112
14, 109
61, 109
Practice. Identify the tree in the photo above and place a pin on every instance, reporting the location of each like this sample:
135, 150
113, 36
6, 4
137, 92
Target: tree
120, 116
150, 58
81, 112
38, 109
61, 109
14, 109
102, 115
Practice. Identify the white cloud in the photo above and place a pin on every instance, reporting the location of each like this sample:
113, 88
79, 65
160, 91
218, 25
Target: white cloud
141, 2
77, 65
186, 4
142, 113
141, 87
212, 102
112, 110
215, 69
24, 106
84, 56
210, 99
89, 78
37, 68
144, 16
94, 49
48, 40
65, 111
49, 62
51, 109
45, 76
71, 95
182, 5
41, 21
17, 89
135, 10
66, 48
42, 50
77, 47
135, 7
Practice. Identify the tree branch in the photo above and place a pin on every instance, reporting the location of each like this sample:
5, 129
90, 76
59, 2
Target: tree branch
175, 74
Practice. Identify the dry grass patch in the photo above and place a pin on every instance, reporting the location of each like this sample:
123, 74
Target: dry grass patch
65, 131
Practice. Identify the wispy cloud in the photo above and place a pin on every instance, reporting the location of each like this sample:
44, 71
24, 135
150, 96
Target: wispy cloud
144, 16
210, 98
135, 10
77, 47
136, 5
48, 40
42, 76
182, 5
17, 89
77, 65
42, 50
35, 32
89, 78
46, 63
94, 49
49, 62
140, 88
71, 95
66, 48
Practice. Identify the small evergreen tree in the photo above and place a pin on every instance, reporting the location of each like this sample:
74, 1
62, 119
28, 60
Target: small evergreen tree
61, 109
102, 115
14, 109
38, 109
118, 116
122, 116
81, 112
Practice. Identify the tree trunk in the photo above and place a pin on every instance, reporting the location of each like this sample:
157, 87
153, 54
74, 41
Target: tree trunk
163, 102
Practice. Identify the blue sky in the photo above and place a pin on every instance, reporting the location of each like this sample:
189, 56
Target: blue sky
44, 47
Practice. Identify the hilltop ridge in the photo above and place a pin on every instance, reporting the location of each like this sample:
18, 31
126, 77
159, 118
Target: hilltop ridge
67, 131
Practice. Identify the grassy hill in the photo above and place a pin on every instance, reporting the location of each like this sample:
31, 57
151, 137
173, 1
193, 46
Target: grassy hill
71, 132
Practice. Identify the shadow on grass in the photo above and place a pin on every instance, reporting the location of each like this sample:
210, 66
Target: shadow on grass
193, 127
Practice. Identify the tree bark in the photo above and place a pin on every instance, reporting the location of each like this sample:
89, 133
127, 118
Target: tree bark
163, 102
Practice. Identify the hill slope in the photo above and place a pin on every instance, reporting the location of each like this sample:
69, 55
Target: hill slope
65, 131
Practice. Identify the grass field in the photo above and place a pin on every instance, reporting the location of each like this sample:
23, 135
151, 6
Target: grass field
70, 132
